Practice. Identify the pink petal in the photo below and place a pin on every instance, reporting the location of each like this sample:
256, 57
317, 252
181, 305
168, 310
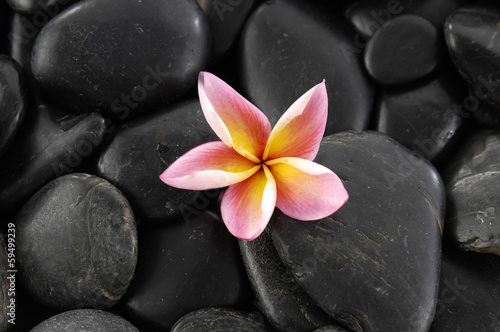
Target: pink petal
300, 129
209, 166
247, 206
236, 121
306, 190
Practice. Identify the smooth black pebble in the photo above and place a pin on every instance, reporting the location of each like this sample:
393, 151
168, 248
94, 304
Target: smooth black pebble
13, 100
472, 180
85, 320
226, 19
139, 152
380, 253
403, 50
471, 35
219, 319
469, 293
49, 144
287, 47
423, 117
41, 9
185, 266
76, 243
368, 16
284, 303
121, 57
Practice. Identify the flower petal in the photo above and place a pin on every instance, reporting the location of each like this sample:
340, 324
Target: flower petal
306, 190
209, 166
236, 121
247, 206
300, 129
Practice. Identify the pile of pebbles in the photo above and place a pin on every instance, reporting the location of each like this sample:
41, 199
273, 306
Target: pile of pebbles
98, 98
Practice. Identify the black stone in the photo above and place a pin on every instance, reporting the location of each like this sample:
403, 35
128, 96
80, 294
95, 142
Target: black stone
85, 320
374, 264
142, 150
470, 34
287, 47
43, 150
403, 50
284, 303
469, 293
76, 243
4, 14
219, 319
13, 100
42, 9
121, 57
472, 181
226, 19
423, 117
183, 267
330, 328
368, 16
6, 279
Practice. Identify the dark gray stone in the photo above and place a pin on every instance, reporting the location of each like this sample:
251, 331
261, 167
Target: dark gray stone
219, 319
142, 150
472, 180
185, 266
374, 264
285, 304
121, 57
368, 16
403, 50
469, 293
46, 147
330, 329
470, 36
76, 243
423, 117
13, 100
41, 9
287, 47
85, 320
226, 19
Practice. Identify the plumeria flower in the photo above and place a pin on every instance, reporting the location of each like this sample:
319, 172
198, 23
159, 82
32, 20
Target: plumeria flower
263, 168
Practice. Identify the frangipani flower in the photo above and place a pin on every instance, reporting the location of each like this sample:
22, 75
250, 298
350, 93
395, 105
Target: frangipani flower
263, 168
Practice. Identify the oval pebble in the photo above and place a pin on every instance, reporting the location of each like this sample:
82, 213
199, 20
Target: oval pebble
219, 320
76, 243
121, 57
85, 320
402, 50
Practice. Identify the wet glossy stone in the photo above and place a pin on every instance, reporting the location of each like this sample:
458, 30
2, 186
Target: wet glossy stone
380, 253
472, 182
470, 36
13, 100
183, 267
80, 60
469, 293
142, 150
219, 319
368, 16
403, 50
85, 320
49, 145
423, 117
226, 19
289, 46
330, 328
41, 9
76, 243
284, 303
